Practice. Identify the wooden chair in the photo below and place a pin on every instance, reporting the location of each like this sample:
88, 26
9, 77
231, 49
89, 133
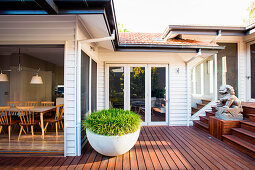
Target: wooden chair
27, 118
14, 103
47, 103
6, 119
31, 103
58, 118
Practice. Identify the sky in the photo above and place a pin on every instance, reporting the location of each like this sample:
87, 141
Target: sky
156, 15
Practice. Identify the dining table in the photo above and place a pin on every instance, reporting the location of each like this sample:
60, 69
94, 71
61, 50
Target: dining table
39, 110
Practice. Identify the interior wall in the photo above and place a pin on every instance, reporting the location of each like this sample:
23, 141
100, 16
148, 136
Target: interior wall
19, 87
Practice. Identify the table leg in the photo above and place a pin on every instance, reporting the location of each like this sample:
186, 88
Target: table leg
42, 126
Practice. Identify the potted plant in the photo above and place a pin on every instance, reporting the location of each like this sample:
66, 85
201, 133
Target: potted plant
112, 132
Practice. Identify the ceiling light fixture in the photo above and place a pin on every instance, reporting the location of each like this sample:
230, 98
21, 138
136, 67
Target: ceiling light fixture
35, 79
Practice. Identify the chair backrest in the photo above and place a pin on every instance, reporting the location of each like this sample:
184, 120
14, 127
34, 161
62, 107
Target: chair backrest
47, 103
5, 115
14, 103
26, 114
31, 103
59, 111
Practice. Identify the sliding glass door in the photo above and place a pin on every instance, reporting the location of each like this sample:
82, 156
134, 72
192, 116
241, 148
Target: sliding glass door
251, 73
141, 88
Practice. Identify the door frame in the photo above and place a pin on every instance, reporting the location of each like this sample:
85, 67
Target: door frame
248, 72
148, 121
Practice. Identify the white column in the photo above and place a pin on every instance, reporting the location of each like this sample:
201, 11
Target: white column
202, 79
188, 78
127, 87
215, 80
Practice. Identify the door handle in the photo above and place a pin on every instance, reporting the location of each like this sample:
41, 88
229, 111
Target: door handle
248, 77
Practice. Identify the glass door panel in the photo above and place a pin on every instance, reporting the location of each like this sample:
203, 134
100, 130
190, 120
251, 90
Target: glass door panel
252, 71
158, 94
137, 91
116, 87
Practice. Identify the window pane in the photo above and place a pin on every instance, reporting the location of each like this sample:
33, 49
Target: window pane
137, 90
158, 94
116, 87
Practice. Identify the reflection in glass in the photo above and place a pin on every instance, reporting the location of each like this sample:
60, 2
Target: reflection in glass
253, 71
116, 86
137, 90
158, 94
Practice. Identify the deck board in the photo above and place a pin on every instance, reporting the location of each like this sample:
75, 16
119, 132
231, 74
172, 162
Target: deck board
157, 148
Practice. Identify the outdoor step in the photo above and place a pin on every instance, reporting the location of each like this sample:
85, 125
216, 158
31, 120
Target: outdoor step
240, 144
200, 105
244, 134
205, 101
201, 125
251, 117
194, 109
204, 119
209, 113
248, 125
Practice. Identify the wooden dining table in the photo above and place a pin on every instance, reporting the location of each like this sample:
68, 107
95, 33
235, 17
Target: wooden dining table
39, 109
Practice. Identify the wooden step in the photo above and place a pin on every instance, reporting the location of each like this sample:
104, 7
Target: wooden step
204, 119
205, 101
251, 117
200, 105
240, 144
209, 113
248, 125
201, 125
194, 109
244, 134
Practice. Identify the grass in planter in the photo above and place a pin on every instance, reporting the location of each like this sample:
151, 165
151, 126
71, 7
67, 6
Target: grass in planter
112, 122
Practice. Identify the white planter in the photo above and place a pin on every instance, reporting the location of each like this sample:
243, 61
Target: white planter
112, 145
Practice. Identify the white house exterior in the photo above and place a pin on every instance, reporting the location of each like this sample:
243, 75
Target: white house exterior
72, 31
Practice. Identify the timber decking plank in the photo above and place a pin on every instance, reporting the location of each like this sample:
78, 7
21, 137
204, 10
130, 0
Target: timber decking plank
173, 152
139, 155
126, 160
119, 162
152, 153
221, 153
160, 145
214, 157
172, 147
97, 162
111, 163
144, 151
182, 149
235, 154
158, 152
133, 160
200, 158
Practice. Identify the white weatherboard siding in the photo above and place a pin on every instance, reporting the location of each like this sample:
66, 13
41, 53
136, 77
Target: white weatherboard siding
49, 30
177, 97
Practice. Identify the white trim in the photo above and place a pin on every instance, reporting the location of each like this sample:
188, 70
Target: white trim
78, 100
147, 95
248, 72
90, 70
126, 88
202, 78
215, 82
188, 77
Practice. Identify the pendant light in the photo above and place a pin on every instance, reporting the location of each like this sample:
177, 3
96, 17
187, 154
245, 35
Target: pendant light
3, 77
36, 79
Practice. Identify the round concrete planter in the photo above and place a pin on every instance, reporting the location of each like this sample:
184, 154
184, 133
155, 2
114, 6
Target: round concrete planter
112, 145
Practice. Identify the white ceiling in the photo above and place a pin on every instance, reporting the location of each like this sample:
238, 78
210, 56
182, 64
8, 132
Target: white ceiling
53, 55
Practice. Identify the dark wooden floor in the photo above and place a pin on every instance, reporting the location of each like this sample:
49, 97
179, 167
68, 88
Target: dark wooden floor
157, 148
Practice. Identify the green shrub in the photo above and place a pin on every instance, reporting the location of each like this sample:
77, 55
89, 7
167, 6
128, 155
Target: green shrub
112, 122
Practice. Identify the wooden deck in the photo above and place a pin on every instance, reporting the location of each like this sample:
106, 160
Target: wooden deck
157, 148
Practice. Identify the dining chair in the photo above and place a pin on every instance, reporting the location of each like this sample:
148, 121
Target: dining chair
47, 103
58, 118
27, 118
14, 103
31, 103
6, 119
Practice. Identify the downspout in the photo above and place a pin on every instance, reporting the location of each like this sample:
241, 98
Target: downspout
112, 37
218, 36
199, 53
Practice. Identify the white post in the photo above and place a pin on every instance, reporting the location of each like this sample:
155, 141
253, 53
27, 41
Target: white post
188, 77
127, 87
202, 79
215, 83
